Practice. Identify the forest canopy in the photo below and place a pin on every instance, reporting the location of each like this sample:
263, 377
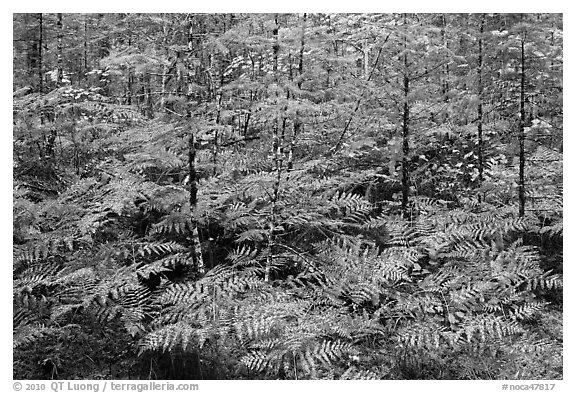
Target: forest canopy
287, 196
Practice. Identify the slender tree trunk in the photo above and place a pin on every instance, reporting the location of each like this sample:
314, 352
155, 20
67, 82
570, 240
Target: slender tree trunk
480, 105
216, 95
41, 71
216, 131
40, 43
142, 95
521, 184
405, 131
247, 118
445, 82
276, 149
248, 115
192, 178
60, 70
85, 48
51, 142
552, 46
366, 53
166, 70
163, 91
405, 148
298, 121
179, 75
129, 86
196, 245
130, 79
301, 53
149, 104
189, 77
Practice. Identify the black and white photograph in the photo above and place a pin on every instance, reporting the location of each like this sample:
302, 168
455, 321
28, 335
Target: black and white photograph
287, 196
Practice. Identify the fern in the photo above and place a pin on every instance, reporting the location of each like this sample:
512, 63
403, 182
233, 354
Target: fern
357, 292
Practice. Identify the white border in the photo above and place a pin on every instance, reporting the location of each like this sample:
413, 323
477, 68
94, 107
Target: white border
300, 6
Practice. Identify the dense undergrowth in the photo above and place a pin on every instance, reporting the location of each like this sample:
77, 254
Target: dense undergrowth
279, 266
104, 280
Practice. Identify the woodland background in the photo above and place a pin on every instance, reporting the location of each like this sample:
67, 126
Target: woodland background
287, 196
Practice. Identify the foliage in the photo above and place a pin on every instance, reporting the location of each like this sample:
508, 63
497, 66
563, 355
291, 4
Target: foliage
157, 233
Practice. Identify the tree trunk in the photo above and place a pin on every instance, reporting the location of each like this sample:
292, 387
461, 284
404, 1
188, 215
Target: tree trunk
366, 53
163, 91
445, 82
129, 86
216, 131
85, 48
405, 132
60, 70
480, 106
196, 245
189, 77
276, 151
521, 185
298, 121
50, 143
40, 43
148, 94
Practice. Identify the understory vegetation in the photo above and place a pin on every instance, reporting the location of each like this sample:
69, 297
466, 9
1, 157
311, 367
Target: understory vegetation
287, 196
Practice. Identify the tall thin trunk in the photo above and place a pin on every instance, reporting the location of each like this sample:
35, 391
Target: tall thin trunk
366, 53
129, 86
276, 149
40, 43
142, 94
405, 130
85, 48
50, 143
130, 79
216, 85
189, 77
148, 96
163, 91
60, 70
247, 118
552, 46
179, 75
216, 132
196, 245
521, 185
166, 69
301, 53
445, 82
297, 126
480, 104
248, 115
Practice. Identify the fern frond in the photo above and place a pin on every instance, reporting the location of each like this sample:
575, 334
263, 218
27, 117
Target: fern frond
35, 275
180, 334
29, 334
353, 373
175, 222
164, 264
157, 248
